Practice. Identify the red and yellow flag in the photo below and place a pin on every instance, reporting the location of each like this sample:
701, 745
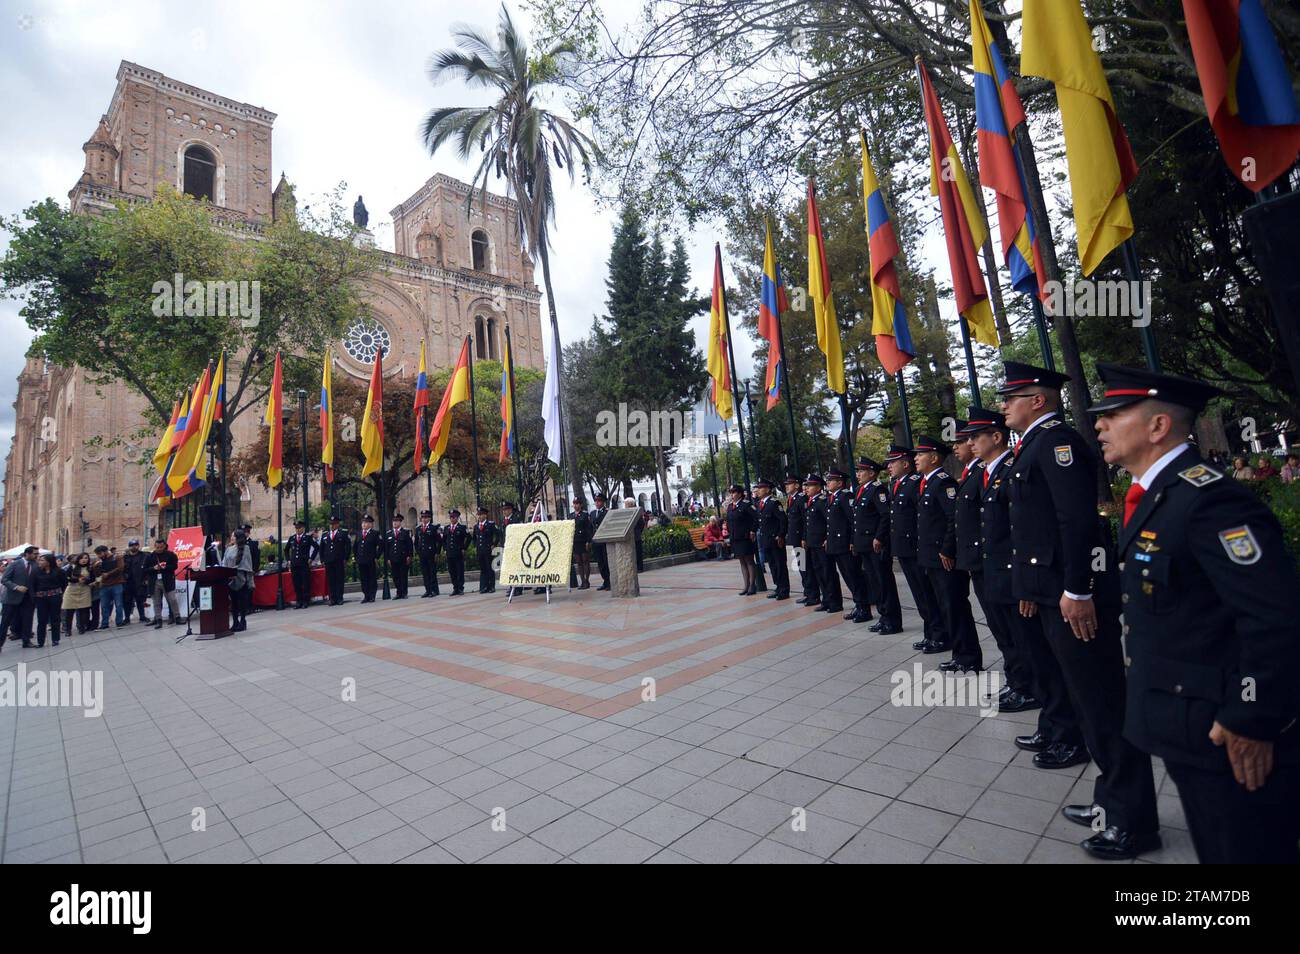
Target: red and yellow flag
275, 419
372, 426
457, 392
819, 290
719, 366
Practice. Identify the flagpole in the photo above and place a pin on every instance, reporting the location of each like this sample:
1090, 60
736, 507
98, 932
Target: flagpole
902, 400
387, 518
713, 466
302, 428
789, 397
1133, 269
473, 424
225, 435
279, 538
970, 362
731, 357
514, 427
846, 440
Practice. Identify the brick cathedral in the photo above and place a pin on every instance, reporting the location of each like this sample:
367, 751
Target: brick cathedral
448, 269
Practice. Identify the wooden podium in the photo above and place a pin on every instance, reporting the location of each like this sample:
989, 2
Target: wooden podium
215, 622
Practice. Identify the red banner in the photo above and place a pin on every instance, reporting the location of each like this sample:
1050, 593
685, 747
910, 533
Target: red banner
187, 544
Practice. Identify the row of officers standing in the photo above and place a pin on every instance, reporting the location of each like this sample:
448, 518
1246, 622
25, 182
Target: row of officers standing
1181, 639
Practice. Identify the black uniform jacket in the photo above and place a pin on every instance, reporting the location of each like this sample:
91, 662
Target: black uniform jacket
368, 545
485, 537
839, 521
582, 529
969, 491
428, 540
936, 519
334, 546
1056, 532
741, 522
1213, 618
772, 523
455, 537
399, 546
796, 517
814, 527
870, 516
902, 515
995, 534
300, 550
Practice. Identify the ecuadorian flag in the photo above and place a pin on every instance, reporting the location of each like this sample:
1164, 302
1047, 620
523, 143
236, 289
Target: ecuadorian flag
421, 402
998, 111
771, 302
507, 406
894, 345
327, 419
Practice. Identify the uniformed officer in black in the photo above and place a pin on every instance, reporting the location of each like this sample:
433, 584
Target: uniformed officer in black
399, 549
598, 549
300, 550
772, 528
742, 531
903, 486
871, 546
1210, 610
936, 551
989, 438
580, 575
796, 502
455, 540
334, 548
368, 547
509, 515
485, 538
839, 544
815, 532
428, 544
1062, 572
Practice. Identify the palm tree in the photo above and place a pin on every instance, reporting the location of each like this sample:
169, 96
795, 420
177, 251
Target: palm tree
519, 140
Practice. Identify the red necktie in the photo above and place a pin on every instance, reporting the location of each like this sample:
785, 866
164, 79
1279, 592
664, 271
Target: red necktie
986, 478
921, 492
965, 471
1131, 499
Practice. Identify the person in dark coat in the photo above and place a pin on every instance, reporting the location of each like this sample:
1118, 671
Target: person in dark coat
598, 549
772, 527
796, 516
742, 528
936, 550
1063, 572
300, 549
160, 576
871, 547
815, 530
839, 544
369, 545
48, 583
134, 592
904, 484
1210, 602
399, 549
334, 548
485, 538
582, 531
455, 540
428, 544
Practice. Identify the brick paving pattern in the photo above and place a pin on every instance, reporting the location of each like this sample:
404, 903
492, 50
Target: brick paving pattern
467, 707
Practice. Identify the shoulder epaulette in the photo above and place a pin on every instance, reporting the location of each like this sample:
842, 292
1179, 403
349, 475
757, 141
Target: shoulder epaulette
1054, 422
1198, 475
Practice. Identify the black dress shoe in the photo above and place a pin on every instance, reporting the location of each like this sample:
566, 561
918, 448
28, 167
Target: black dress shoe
933, 648
1115, 844
875, 627
781, 596
1081, 814
1015, 702
851, 613
774, 594
812, 603
603, 586
921, 645
1032, 743
862, 616
1061, 756
833, 609
889, 630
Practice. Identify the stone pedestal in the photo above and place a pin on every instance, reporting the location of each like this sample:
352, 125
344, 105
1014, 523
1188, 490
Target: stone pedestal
622, 569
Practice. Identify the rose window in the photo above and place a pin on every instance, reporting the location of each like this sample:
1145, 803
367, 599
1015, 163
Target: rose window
364, 340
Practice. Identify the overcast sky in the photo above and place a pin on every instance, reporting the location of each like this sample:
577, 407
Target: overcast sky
348, 84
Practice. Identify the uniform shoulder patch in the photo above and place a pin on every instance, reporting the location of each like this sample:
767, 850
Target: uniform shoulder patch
913, 476
883, 497
1199, 475
1241, 545
1052, 423
1064, 455
952, 492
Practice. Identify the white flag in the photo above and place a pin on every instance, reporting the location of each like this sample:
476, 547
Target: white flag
551, 411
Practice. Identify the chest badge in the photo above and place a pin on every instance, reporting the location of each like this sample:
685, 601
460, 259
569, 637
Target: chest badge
1065, 455
1146, 546
1199, 475
1241, 545
952, 492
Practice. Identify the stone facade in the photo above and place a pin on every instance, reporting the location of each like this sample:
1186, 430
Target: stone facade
79, 467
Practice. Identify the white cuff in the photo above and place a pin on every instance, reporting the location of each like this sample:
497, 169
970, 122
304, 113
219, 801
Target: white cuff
1076, 596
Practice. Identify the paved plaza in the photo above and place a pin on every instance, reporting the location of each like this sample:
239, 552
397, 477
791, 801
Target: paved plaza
466, 730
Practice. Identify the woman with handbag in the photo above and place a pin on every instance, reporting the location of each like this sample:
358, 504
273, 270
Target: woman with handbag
77, 598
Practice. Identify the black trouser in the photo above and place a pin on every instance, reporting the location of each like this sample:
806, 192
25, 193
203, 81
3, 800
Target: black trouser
486, 578
456, 571
137, 597
602, 561
828, 581
776, 560
878, 570
952, 590
1057, 720
241, 601
923, 596
429, 572
848, 567
401, 570
94, 609
83, 620
16, 619
334, 573
301, 575
1015, 664
812, 587
1094, 678
47, 614
640, 555
366, 570
1232, 826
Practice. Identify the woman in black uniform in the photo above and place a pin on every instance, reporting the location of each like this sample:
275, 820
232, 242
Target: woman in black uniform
742, 528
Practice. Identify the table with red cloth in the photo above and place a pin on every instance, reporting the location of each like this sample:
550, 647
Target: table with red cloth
264, 587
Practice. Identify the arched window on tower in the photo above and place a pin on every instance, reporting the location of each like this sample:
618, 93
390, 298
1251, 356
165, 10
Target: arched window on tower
479, 352
492, 338
479, 248
200, 175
